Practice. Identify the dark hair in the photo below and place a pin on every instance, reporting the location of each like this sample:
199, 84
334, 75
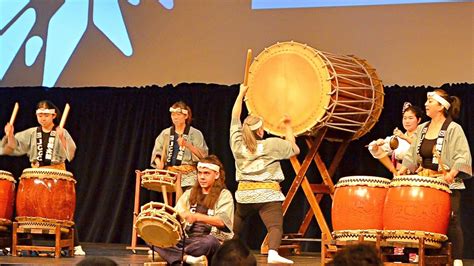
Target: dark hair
233, 253
209, 200
183, 105
414, 109
102, 261
49, 105
357, 255
455, 102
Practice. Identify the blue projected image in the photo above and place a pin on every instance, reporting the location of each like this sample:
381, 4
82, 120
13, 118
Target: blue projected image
271, 4
66, 29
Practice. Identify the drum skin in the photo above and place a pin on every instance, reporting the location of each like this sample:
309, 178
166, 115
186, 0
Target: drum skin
358, 203
7, 195
418, 204
316, 89
50, 198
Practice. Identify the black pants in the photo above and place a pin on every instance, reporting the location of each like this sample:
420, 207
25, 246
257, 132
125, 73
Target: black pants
455, 233
271, 214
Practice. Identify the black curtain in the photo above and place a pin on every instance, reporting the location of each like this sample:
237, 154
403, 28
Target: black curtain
115, 129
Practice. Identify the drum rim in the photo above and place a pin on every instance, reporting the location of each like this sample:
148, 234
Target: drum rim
5, 175
423, 181
362, 180
47, 173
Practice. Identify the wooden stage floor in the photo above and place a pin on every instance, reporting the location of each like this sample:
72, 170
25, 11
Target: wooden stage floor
122, 256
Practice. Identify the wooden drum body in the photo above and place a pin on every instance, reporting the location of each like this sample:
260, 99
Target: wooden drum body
46, 193
159, 224
316, 89
7, 196
417, 206
155, 179
358, 207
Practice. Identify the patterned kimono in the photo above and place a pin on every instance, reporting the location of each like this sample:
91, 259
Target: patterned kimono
28, 142
202, 239
196, 138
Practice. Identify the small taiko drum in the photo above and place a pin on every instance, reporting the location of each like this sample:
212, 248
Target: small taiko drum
316, 89
7, 196
46, 193
155, 179
417, 206
357, 207
159, 224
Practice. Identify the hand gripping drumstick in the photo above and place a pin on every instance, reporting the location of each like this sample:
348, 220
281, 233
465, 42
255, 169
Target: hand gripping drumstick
15, 111
247, 66
64, 117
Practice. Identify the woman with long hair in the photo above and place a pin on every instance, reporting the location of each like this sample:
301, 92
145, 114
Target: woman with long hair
258, 171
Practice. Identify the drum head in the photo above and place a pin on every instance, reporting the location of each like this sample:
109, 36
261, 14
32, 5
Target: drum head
288, 78
158, 234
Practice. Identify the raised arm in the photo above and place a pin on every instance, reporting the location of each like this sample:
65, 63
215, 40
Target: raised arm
237, 109
289, 134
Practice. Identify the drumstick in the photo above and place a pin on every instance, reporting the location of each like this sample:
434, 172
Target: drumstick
64, 117
165, 195
247, 66
15, 111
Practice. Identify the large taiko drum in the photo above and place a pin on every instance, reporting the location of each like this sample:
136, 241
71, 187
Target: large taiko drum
358, 207
7, 196
417, 206
316, 89
159, 224
46, 193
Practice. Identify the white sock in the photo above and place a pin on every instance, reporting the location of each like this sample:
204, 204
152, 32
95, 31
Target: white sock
458, 262
273, 257
195, 260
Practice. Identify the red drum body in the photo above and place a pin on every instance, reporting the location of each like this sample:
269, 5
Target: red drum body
46, 193
316, 89
7, 196
358, 206
415, 206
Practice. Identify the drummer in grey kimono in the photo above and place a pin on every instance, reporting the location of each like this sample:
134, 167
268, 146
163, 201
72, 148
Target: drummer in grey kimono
179, 147
46, 145
208, 209
258, 171
441, 148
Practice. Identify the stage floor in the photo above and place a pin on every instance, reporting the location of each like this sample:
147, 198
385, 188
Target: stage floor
122, 256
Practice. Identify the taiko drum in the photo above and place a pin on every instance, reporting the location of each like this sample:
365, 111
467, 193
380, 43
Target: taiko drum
7, 196
417, 203
46, 193
358, 203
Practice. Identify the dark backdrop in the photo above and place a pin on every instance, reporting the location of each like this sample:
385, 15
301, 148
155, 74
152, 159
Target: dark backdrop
115, 129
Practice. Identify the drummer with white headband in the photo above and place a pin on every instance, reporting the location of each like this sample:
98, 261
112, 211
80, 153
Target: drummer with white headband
441, 148
208, 209
179, 147
48, 145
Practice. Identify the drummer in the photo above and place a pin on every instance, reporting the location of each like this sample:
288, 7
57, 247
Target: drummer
179, 147
382, 148
47, 145
259, 173
208, 209
441, 147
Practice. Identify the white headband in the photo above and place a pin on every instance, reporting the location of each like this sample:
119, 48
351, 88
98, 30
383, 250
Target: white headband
178, 110
45, 111
211, 166
256, 125
439, 99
